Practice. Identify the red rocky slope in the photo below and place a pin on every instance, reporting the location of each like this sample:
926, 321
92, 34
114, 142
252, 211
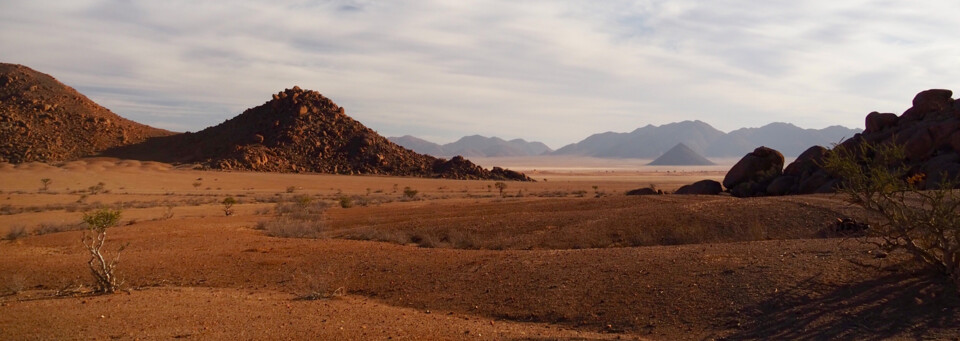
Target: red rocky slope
42, 119
303, 131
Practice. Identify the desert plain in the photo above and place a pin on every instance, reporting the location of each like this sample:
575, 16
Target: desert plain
567, 257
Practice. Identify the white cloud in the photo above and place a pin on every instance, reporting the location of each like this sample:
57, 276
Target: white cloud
555, 72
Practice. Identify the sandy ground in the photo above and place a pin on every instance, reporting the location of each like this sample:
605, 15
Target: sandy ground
196, 273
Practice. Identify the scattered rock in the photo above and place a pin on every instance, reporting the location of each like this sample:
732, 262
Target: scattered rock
848, 227
644, 191
704, 187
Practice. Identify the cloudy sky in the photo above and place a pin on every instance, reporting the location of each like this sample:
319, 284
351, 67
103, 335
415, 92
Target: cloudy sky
553, 71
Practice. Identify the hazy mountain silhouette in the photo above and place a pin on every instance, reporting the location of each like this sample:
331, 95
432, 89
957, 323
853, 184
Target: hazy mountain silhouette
647, 142
791, 140
473, 146
651, 141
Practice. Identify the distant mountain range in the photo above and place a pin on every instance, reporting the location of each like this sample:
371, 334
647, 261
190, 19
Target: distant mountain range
652, 141
647, 142
473, 146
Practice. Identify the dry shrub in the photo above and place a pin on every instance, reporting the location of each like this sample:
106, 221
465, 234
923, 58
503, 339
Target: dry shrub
924, 223
302, 218
47, 228
16, 232
15, 283
288, 227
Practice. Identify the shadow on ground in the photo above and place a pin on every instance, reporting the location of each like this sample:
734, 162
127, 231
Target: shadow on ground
914, 305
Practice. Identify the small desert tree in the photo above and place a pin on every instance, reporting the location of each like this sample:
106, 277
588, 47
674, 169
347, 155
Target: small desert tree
93, 239
924, 223
228, 203
45, 182
409, 192
500, 186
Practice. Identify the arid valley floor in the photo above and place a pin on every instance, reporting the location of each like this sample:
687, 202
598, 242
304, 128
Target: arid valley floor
566, 257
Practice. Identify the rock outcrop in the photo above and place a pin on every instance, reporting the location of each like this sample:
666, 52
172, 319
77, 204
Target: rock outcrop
929, 131
644, 191
702, 187
44, 120
303, 131
754, 172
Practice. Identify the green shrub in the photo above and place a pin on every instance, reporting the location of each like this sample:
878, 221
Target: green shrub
102, 269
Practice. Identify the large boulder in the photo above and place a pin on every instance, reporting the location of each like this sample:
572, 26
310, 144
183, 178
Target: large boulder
754, 172
808, 162
782, 185
926, 102
919, 146
705, 187
878, 122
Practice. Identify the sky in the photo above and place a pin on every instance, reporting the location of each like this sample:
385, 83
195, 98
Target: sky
550, 71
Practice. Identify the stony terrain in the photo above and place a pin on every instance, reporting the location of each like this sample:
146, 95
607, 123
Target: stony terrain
42, 119
750, 268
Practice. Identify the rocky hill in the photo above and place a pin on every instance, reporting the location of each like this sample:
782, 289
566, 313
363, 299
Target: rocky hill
929, 131
44, 120
474, 146
302, 131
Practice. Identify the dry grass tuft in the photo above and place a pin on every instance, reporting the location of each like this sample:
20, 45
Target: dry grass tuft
302, 218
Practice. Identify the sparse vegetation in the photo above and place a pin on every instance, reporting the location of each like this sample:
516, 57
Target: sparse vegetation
16, 232
302, 218
97, 189
924, 223
102, 269
345, 202
45, 184
500, 187
228, 203
409, 193
47, 228
291, 189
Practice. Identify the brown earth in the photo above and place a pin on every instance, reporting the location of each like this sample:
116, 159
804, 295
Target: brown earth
42, 119
203, 275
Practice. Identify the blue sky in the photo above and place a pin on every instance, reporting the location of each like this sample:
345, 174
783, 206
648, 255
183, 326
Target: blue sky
553, 71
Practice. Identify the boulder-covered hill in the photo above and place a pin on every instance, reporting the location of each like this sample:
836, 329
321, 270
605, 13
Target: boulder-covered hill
302, 131
44, 120
929, 132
